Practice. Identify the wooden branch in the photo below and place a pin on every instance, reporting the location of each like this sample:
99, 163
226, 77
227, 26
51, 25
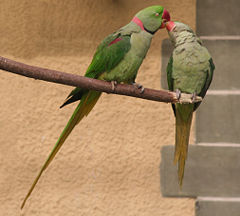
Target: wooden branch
92, 84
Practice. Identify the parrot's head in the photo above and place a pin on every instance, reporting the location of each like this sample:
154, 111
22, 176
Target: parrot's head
152, 18
177, 29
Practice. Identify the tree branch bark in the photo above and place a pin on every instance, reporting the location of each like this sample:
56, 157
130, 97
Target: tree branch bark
92, 84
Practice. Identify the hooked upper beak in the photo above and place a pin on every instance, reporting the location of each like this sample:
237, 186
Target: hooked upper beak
165, 18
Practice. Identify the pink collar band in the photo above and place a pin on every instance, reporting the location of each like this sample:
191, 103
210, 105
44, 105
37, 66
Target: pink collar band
138, 22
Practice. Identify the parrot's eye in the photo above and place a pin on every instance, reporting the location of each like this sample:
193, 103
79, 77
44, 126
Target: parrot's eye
156, 14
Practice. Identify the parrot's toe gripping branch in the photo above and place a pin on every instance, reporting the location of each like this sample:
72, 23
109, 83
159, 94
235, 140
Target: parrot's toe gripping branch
194, 96
139, 86
185, 98
178, 94
114, 83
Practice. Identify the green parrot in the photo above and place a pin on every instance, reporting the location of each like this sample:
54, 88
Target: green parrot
117, 59
190, 70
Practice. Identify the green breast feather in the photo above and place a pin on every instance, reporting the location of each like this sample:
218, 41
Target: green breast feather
190, 71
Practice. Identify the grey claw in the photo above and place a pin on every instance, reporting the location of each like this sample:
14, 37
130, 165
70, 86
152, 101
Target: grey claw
139, 86
194, 96
113, 84
178, 94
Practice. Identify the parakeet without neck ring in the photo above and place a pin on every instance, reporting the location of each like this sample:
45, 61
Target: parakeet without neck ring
117, 58
190, 70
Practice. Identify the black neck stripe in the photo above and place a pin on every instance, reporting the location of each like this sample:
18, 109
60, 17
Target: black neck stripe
151, 32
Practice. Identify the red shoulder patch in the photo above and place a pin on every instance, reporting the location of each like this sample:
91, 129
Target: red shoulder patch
115, 41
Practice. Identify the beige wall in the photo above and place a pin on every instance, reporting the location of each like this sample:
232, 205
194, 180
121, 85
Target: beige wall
110, 163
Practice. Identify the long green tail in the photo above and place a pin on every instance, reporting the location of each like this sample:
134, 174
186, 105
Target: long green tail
89, 99
184, 114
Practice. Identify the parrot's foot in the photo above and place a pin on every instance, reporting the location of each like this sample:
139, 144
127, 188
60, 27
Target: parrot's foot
139, 86
114, 83
194, 96
178, 94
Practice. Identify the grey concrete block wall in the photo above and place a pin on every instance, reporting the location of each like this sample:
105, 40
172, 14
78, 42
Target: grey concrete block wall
216, 17
210, 171
217, 207
225, 54
218, 119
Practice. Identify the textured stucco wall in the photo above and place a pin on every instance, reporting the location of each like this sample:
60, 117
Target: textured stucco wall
110, 163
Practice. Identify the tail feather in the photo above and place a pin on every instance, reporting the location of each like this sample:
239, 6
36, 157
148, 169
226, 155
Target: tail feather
183, 125
84, 107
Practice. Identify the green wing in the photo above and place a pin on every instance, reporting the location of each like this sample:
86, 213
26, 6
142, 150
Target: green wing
169, 74
209, 78
170, 79
108, 54
207, 83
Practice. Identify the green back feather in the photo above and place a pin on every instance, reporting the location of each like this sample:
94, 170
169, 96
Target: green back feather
104, 60
108, 56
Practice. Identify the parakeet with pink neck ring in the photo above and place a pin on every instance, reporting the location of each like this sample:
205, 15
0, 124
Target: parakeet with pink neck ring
117, 59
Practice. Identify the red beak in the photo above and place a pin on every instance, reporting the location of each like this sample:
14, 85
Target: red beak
170, 25
165, 17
